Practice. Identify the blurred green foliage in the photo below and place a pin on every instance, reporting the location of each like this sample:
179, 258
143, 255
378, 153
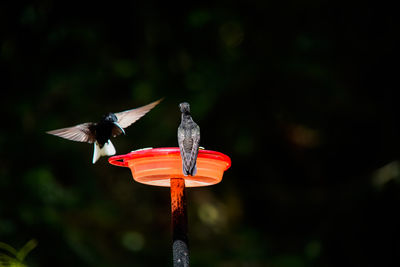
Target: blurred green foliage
13, 258
302, 96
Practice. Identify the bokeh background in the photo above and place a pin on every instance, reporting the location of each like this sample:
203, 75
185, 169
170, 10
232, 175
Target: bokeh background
302, 95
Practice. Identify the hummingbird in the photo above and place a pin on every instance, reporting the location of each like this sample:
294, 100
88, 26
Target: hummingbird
111, 124
188, 140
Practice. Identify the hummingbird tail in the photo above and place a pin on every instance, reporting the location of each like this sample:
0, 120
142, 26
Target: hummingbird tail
194, 170
191, 172
108, 149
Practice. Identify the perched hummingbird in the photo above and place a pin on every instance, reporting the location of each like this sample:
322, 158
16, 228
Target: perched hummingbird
111, 124
188, 140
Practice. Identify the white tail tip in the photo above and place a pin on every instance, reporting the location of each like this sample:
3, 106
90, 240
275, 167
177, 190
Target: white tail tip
107, 150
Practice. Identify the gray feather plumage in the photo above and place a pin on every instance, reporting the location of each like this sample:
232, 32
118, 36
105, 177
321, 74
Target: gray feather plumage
188, 140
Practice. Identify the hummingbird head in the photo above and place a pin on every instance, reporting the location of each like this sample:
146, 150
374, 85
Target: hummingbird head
110, 117
184, 107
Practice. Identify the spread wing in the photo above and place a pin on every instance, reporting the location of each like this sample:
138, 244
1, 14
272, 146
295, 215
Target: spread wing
126, 118
80, 133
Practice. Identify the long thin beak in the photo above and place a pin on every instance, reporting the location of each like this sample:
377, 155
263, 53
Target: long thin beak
119, 126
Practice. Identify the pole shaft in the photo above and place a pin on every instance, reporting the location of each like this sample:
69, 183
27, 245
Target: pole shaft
180, 249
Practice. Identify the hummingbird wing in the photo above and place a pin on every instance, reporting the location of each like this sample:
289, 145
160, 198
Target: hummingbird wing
80, 133
181, 143
189, 147
126, 118
195, 149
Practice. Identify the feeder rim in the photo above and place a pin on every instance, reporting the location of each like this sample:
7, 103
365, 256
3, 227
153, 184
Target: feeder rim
123, 160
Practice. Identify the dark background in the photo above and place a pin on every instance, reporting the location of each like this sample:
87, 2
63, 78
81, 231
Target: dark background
302, 95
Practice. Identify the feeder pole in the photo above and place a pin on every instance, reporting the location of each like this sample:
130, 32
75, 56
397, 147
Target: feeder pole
160, 167
180, 250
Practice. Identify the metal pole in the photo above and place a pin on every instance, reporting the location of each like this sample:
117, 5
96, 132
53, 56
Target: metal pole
180, 248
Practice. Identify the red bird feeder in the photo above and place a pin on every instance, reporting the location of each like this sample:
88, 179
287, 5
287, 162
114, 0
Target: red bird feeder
163, 167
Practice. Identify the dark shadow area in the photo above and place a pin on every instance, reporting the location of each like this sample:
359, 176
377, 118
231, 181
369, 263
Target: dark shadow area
303, 96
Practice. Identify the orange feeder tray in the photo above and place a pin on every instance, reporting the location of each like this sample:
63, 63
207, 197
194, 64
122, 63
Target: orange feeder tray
163, 167
158, 165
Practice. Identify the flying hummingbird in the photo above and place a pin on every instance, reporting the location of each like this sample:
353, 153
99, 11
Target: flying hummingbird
111, 124
188, 140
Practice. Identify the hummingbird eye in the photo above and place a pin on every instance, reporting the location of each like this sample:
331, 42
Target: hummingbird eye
113, 117
110, 117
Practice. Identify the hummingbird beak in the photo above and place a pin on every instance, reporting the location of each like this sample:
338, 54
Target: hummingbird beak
119, 126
